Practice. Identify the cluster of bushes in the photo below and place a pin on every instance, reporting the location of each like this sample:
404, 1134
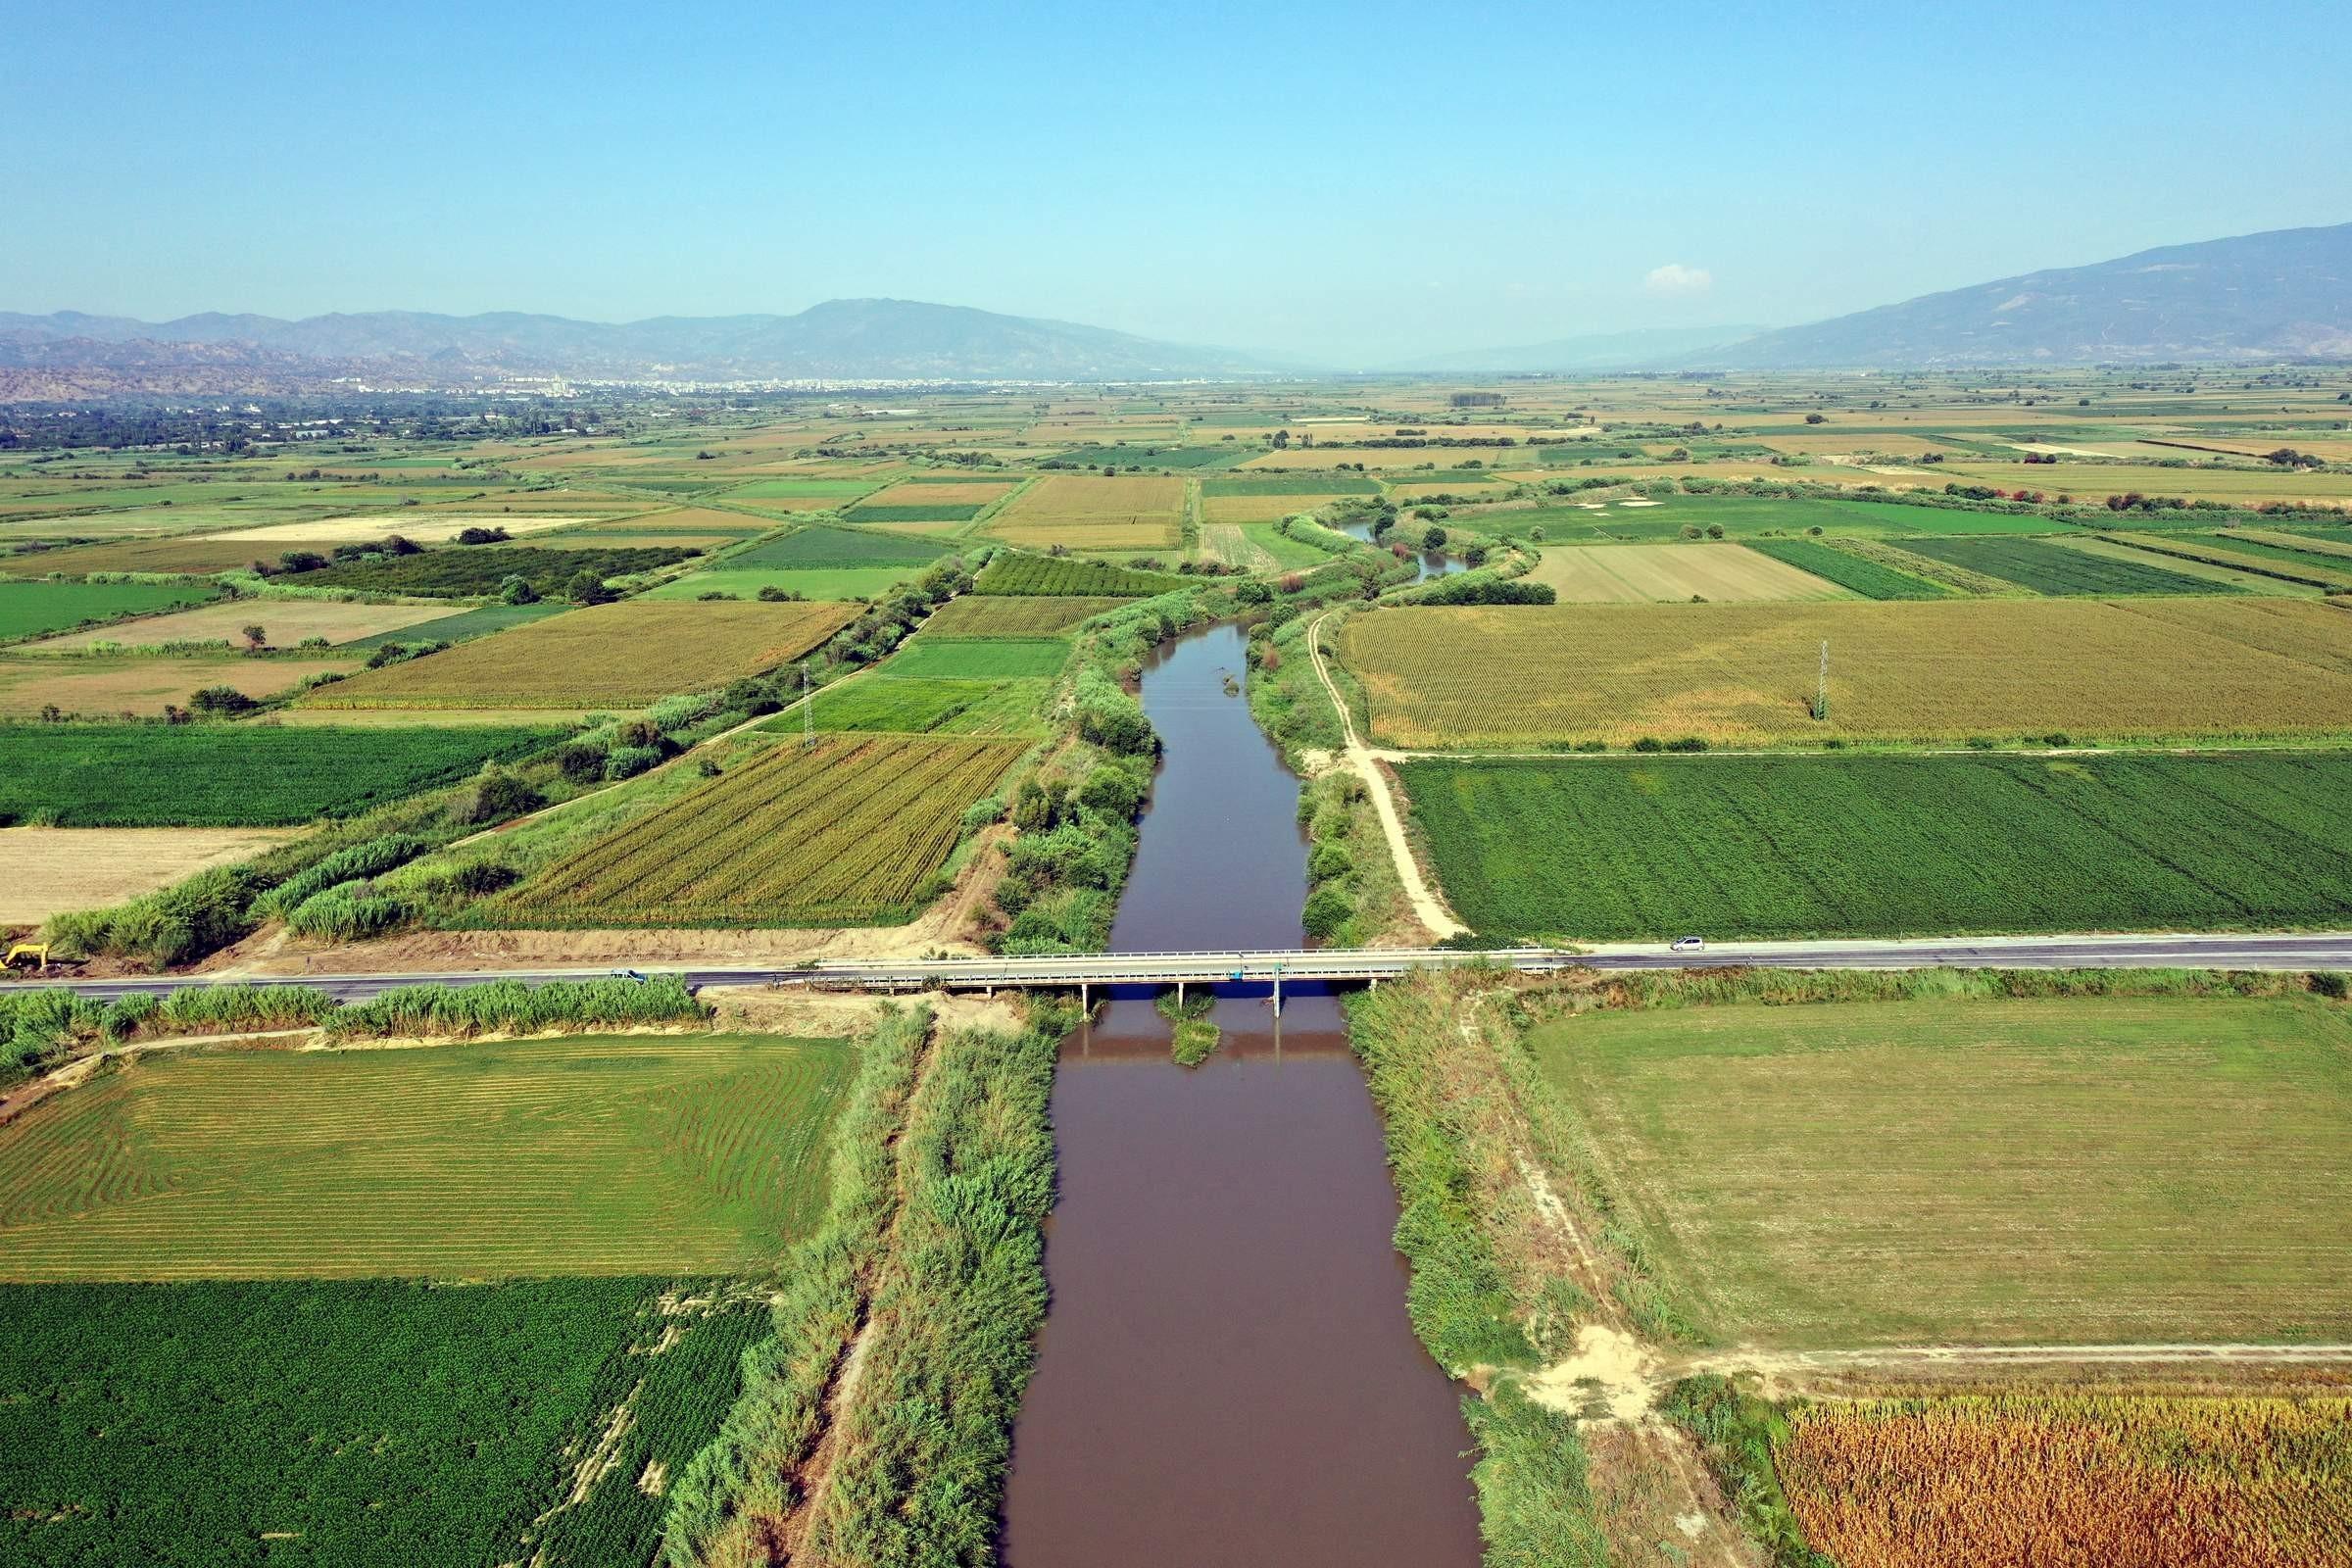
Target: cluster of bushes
882, 627
1076, 841
1328, 814
1484, 587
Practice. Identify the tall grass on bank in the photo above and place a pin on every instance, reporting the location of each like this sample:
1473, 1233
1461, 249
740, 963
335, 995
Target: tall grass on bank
748, 1477
926, 1438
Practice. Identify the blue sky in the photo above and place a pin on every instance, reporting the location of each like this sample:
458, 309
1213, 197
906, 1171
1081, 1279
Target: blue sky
1358, 184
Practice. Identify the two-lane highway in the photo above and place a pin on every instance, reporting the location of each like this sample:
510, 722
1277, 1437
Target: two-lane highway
2287, 952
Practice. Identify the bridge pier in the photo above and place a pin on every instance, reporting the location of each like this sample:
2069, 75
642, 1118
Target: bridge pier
1277, 992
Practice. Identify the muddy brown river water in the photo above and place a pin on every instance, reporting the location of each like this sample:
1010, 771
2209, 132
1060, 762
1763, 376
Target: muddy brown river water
1227, 1375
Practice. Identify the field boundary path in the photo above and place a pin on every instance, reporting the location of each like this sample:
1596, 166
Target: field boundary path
1428, 906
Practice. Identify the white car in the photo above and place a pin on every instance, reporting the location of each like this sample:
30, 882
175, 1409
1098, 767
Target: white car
1689, 944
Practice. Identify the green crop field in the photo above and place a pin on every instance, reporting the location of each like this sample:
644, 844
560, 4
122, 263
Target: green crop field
1003, 615
836, 548
818, 584
366, 1423
476, 623
234, 775
934, 512
1743, 518
608, 1155
920, 706
37, 608
851, 831
979, 657
1015, 573
796, 489
2084, 1170
1217, 455
2050, 568
1869, 578
1881, 845
475, 572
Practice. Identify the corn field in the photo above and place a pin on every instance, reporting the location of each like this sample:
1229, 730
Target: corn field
2033, 1481
848, 831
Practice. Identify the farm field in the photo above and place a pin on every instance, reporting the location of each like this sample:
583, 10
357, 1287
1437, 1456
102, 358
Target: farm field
202, 554
47, 870
2049, 567
288, 621
922, 707
423, 527
235, 775
30, 609
107, 686
1744, 674
937, 658
802, 488
597, 1154
816, 584
848, 832
1237, 486
374, 1423
815, 546
2086, 1169
1263, 508
1643, 574
607, 656
1004, 615
476, 571
1871, 579
1800, 846
1741, 517
446, 627
2072, 1480
1060, 576
2248, 487
1085, 511
2236, 550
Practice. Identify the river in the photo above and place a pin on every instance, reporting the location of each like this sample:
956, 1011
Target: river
1227, 1376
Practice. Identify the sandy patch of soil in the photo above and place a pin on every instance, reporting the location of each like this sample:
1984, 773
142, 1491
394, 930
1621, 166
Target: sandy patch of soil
432, 528
47, 870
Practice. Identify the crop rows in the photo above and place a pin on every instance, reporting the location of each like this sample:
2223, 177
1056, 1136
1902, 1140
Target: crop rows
837, 548
2048, 568
1745, 674
848, 831
1015, 573
1877, 846
34, 609
359, 1422
916, 707
241, 775
2072, 1481
1869, 578
1004, 615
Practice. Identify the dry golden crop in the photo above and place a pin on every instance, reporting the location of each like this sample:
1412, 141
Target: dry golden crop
849, 830
1087, 512
611, 656
2031, 1480
1496, 676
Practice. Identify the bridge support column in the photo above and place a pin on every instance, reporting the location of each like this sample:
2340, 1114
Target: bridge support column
1278, 993
1086, 1006
1180, 995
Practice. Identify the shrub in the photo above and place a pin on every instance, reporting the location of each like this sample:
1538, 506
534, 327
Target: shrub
495, 795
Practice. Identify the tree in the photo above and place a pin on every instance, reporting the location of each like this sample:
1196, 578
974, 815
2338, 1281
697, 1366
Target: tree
302, 560
1817, 418
1433, 538
256, 639
517, 589
587, 588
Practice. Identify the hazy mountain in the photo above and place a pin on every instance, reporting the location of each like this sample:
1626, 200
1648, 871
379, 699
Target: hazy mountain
2283, 295
840, 339
1593, 352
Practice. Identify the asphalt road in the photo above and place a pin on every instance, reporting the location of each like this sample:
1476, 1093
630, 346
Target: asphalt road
2219, 950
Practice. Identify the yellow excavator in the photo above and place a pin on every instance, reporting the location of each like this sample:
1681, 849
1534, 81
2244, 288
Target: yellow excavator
36, 952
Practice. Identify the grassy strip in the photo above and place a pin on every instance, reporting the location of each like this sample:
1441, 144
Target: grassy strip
1700, 988
927, 1436
1194, 1039
748, 1477
37, 1026
1737, 1433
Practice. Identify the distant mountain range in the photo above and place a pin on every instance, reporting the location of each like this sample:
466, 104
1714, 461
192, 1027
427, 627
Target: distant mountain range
838, 340
1593, 352
2283, 295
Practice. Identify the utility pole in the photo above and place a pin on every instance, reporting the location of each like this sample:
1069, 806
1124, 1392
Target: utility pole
1821, 693
808, 706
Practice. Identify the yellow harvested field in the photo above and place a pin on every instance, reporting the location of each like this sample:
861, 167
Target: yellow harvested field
442, 719
960, 493
425, 529
2092, 481
104, 686
1087, 511
48, 870
610, 656
289, 622
1720, 573
1744, 674
1320, 456
1259, 508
